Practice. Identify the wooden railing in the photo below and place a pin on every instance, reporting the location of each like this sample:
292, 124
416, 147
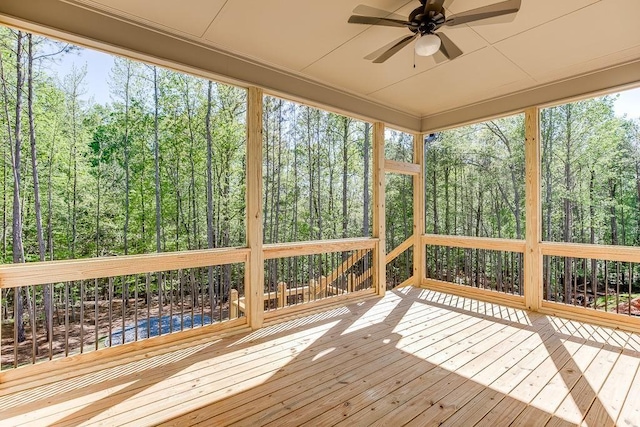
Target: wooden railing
400, 271
78, 306
474, 265
600, 281
87, 305
305, 272
589, 282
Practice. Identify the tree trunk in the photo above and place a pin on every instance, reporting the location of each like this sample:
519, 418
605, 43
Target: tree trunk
276, 231
5, 160
612, 211
592, 232
193, 207
567, 205
125, 147
50, 201
36, 183
156, 158
18, 250
447, 230
345, 174
210, 239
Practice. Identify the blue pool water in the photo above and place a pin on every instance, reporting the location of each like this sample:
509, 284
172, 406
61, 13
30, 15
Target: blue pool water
156, 325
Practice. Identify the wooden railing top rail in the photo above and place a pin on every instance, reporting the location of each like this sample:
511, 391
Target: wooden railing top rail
285, 250
590, 251
39, 273
395, 253
507, 245
402, 167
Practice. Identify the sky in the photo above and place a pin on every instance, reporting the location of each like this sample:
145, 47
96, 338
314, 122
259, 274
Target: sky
99, 64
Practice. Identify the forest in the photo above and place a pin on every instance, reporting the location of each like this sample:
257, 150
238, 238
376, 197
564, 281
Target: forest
590, 194
161, 168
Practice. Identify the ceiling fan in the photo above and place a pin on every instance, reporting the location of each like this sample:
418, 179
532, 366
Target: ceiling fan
423, 23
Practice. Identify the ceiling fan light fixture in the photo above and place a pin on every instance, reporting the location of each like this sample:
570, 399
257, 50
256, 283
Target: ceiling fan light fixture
427, 45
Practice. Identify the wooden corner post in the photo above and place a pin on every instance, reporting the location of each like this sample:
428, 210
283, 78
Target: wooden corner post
254, 275
379, 256
532, 255
418, 211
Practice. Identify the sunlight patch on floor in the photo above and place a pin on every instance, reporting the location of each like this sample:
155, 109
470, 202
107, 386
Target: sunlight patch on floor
279, 328
376, 314
97, 377
54, 413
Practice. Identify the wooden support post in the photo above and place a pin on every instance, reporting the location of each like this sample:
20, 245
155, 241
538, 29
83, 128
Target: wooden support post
418, 211
532, 255
311, 289
322, 290
282, 297
233, 304
379, 255
254, 276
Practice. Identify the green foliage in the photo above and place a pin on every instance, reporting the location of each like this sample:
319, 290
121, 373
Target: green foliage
94, 158
474, 180
313, 168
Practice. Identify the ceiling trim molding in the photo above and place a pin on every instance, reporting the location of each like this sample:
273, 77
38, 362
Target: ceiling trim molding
588, 85
79, 25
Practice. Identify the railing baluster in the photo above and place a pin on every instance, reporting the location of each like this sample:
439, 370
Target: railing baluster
135, 307
170, 282
82, 316
618, 286
124, 304
149, 297
181, 285
66, 318
49, 321
159, 278
110, 336
16, 296
97, 312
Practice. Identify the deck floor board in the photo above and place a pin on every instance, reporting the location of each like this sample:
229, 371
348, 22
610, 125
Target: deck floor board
414, 357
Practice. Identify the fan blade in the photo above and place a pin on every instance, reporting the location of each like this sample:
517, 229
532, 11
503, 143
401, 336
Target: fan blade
395, 48
376, 53
498, 9
433, 5
439, 57
372, 20
447, 3
379, 13
448, 48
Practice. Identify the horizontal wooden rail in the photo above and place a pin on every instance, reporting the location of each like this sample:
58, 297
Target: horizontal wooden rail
286, 250
589, 315
506, 245
40, 273
481, 294
582, 250
392, 166
400, 249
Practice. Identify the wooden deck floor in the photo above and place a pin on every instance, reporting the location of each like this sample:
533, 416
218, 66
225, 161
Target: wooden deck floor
414, 358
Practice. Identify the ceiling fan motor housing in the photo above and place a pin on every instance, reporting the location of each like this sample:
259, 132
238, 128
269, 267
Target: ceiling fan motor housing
426, 23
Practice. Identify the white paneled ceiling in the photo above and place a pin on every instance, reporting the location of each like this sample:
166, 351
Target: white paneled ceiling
549, 40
